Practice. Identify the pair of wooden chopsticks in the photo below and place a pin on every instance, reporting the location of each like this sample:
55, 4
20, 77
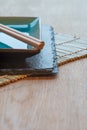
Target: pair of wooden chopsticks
22, 37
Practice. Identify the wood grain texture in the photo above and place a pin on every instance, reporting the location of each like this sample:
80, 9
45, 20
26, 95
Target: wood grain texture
47, 103
50, 103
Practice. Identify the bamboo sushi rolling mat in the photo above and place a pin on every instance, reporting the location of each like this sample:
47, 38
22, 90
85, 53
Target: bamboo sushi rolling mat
68, 48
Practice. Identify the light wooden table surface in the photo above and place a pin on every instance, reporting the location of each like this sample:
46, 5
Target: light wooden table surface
49, 103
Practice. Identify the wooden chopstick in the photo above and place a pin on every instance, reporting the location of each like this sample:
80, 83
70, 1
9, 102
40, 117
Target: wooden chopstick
22, 37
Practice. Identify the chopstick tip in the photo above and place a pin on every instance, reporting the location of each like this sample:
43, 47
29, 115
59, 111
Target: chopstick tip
41, 45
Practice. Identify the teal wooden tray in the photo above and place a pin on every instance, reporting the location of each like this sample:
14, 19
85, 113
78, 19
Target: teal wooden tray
10, 46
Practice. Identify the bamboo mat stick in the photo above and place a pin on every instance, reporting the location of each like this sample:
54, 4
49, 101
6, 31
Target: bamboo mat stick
22, 37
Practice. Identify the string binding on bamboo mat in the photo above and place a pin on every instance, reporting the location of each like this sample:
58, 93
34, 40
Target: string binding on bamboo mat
6, 79
68, 48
